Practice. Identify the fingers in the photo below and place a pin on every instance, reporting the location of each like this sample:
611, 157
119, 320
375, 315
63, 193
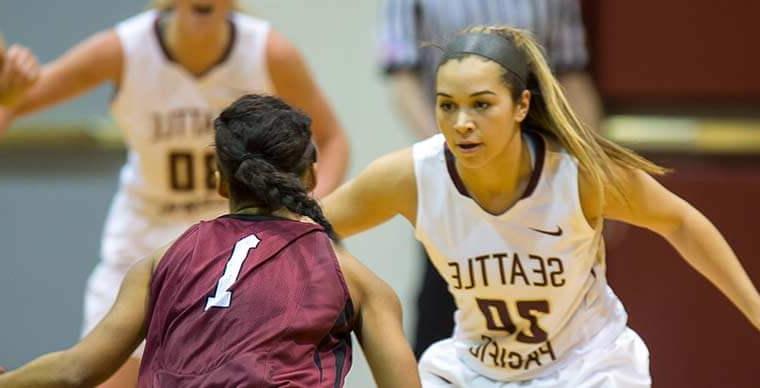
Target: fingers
29, 66
18, 72
20, 69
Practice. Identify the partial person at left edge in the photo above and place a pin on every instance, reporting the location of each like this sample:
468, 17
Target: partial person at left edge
174, 68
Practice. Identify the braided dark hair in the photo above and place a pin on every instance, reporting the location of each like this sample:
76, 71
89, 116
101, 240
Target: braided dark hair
263, 146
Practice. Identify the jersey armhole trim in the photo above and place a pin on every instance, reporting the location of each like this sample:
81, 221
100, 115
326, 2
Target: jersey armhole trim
416, 167
578, 204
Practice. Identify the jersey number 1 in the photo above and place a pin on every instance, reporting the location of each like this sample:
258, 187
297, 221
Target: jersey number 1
223, 296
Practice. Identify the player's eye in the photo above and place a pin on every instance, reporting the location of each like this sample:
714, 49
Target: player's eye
481, 105
446, 106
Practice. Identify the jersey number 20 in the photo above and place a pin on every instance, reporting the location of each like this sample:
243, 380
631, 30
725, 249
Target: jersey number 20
498, 319
223, 296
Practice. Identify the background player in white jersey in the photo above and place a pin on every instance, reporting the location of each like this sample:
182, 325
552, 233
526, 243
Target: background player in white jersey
509, 202
174, 68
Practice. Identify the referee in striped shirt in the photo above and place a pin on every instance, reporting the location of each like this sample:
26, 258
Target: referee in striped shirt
406, 24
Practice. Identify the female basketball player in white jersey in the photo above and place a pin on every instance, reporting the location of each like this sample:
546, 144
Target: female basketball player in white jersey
509, 202
174, 69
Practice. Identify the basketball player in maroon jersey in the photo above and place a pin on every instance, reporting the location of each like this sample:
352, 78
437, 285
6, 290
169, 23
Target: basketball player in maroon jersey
255, 298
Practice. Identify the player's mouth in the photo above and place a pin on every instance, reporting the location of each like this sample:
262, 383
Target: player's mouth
203, 9
468, 147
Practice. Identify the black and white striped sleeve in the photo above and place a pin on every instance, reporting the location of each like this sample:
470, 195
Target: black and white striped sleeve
566, 46
398, 44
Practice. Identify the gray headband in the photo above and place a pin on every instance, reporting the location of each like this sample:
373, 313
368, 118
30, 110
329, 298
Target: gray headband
489, 46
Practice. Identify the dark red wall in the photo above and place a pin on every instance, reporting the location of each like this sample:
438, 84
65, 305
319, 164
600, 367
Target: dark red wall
694, 57
676, 52
695, 335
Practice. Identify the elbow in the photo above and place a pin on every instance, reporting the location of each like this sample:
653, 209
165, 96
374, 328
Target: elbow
62, 369
672, 228
678, 220
667, 230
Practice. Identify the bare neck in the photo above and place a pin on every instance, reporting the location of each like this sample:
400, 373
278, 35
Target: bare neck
498, 185
243, 207
196, 52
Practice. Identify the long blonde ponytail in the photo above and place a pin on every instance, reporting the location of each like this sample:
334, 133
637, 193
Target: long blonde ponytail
550, 112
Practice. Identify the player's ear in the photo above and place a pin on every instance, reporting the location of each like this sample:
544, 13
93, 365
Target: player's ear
522, 106
309, 177
221, 185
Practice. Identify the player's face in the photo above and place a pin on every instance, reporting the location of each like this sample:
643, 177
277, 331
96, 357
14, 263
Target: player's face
475, 110
203, 14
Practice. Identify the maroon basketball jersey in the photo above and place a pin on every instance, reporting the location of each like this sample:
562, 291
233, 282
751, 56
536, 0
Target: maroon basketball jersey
248, 301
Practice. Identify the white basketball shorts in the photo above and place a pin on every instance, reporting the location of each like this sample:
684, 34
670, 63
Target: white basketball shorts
623, 363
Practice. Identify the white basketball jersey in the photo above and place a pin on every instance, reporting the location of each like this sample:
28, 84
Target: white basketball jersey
529, 284
167, 113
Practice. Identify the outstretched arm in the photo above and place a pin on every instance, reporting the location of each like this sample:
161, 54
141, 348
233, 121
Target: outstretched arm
101, 352
386, 188
294, 83
651, 206
80, 69
381, 334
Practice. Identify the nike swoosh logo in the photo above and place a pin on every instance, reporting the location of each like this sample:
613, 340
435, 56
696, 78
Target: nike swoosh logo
557, 232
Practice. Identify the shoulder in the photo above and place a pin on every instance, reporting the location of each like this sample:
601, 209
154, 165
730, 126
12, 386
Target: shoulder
548, 146
189, 237
385, 188
399, 159
393, 177
99, 57
590, 197
106, 41
363, 284
286, 66
390, 175
141, 22
280, 51
429, 147
131, 37
394, 170
248, 22
613, 196
351, 270
182, 245
553, 145
252, 32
